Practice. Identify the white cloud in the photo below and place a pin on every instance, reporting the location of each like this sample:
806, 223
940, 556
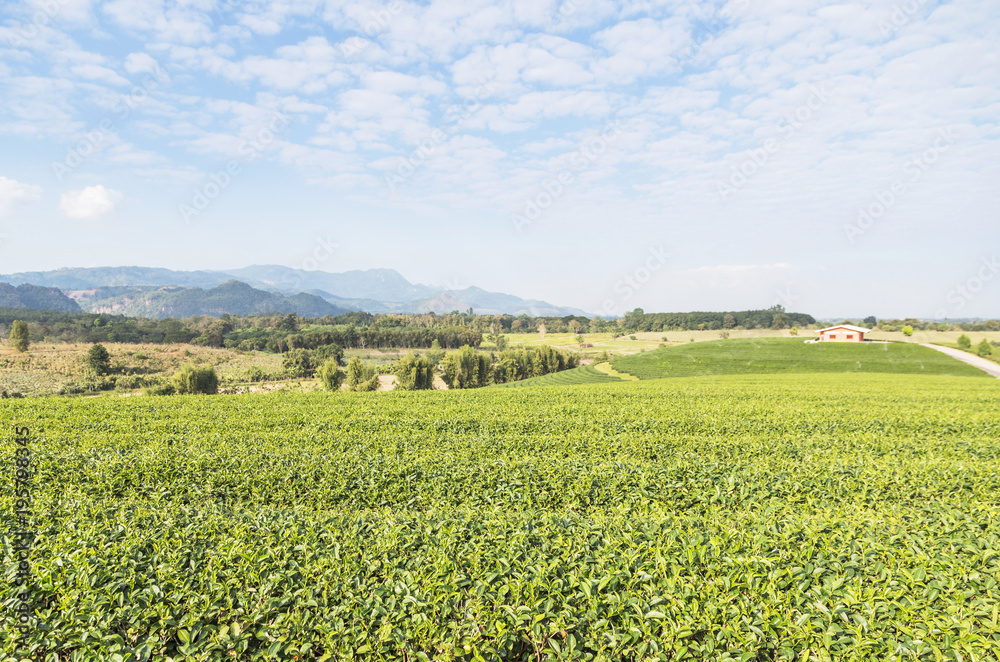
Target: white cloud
90, 203
140, 63
13, 191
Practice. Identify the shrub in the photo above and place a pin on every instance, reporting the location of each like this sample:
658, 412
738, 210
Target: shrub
964, 342
414, 373
299, 363
191, 380
984, 348
19, 335
161, 389
129, 382
361, 377
256, 374
331, 375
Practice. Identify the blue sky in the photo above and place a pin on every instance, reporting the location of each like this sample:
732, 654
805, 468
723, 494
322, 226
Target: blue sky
836, 158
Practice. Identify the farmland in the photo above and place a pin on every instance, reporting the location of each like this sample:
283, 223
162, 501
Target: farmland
784, 356
791, 516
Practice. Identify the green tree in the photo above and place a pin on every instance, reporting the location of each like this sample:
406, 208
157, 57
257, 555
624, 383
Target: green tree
289, 323
361, 377
191, 380
98, 360
984, 349
299, 363
355, 371
908, 331
19, 335
728, 321
964, 342
871, 322
414, 373
330, 375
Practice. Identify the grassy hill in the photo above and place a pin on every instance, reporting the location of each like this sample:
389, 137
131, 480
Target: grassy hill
587, 374
790, 355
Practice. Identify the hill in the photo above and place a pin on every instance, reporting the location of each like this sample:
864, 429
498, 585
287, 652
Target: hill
36, 297
372, 290
789, 355
233, 297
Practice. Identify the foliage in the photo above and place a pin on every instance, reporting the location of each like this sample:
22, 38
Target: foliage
587, 374
299, 363
788, 355
414, 373
330, 375
907, 330
750, 517
775, 317
964, 342
984, 348
361, 377
20, 336
98, 360
194, 380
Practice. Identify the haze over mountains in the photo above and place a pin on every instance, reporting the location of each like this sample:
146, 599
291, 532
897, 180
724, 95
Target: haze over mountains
154, 292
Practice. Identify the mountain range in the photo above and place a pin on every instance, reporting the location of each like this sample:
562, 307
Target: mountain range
154, 292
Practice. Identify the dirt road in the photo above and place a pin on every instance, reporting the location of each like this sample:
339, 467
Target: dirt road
988, 366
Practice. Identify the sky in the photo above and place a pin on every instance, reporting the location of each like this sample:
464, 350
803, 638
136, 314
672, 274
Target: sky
839, 159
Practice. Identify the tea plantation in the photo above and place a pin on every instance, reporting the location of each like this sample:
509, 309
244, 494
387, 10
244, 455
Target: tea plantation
746, 517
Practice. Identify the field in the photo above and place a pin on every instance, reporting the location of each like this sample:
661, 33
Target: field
773, 356
588, 374
750, 517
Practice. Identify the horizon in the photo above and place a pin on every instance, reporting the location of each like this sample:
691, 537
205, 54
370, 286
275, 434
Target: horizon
819, 318
667, 156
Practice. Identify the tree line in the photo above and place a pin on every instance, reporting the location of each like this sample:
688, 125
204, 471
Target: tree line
771, 318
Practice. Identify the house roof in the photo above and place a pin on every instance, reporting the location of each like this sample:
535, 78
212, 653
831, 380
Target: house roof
849, 327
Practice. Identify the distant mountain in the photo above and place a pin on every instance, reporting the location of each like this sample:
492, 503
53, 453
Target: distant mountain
493, 303
85, 278
374, 290
375, 284
37, 297
231, 297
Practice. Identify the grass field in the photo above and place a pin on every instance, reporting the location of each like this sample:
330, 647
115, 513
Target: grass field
745, 517
787, 355
587, 374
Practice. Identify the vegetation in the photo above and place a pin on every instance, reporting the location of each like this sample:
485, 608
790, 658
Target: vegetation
20, 336
760, 517
470, 369
984, 348
787, 355
964, 342
361, 377
772, 318
330, 375
194, 380
414, 373
587, 374
98, 360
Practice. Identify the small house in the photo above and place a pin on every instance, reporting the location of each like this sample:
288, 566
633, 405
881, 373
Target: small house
842, 333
